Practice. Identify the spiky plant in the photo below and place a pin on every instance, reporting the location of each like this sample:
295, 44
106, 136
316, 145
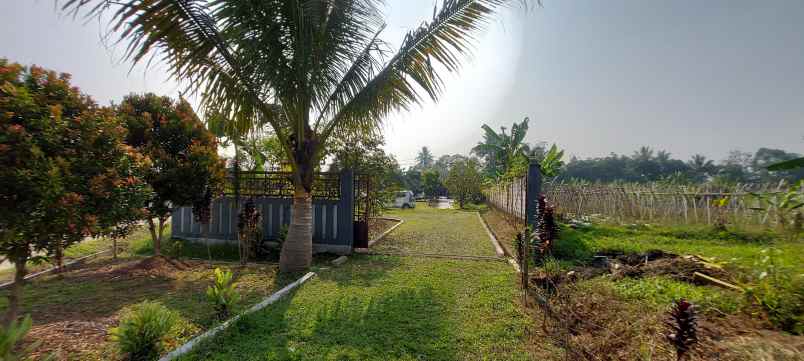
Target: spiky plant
547, 229
683, 325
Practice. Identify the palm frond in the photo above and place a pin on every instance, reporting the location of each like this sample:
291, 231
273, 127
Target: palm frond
441, 42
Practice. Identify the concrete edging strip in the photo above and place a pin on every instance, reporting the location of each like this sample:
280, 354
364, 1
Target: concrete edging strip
53, 269
188, 346
497, 247
389, 230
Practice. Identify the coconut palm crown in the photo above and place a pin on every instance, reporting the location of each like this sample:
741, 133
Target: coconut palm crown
308, 69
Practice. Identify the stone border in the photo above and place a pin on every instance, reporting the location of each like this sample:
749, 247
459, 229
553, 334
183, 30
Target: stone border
497, 247
53, 269
187, 347
389, 230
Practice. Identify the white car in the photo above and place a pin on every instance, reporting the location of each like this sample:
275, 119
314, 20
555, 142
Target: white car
404, 199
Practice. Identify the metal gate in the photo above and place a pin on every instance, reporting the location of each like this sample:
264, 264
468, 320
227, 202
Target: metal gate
362, 204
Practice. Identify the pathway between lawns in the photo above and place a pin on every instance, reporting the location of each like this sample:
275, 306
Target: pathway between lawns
388, 307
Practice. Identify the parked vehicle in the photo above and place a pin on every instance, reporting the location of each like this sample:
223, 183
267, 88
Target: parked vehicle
404, 199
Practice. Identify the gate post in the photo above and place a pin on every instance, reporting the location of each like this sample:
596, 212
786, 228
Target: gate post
346, 208
534, 188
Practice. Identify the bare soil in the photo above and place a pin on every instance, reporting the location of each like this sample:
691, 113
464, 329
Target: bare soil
377, 226
73, 312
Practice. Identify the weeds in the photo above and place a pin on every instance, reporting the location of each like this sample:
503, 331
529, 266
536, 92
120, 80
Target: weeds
10, 338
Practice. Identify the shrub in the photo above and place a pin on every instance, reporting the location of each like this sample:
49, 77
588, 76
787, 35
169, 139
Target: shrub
780, 291
11, 336
144, 330
222, 293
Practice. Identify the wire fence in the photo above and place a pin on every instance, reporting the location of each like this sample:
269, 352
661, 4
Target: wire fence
662, 203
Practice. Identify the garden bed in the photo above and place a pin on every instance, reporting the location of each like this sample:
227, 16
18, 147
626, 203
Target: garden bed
609, 287
73, 311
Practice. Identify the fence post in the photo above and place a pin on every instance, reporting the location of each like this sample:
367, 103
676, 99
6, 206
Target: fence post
346, 208
534, 183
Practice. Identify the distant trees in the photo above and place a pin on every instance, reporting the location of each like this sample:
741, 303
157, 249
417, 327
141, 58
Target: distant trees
424, 160
431, 183
184, 166
364, 154
464, 181
646, 165
65, 171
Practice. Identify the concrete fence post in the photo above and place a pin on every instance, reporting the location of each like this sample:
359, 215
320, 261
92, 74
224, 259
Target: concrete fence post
346, 209
534, 188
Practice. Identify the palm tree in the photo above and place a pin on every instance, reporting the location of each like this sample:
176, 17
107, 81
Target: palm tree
320, 62
424, 160
500, 149
701, 167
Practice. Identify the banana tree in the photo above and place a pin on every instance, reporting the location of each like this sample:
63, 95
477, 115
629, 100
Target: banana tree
321, 62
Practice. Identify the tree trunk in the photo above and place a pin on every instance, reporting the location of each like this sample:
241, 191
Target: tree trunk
162, 223
155, 237
297, 250
15, 296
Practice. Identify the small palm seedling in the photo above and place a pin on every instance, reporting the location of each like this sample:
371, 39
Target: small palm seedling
222, 293
144, 330
683, 325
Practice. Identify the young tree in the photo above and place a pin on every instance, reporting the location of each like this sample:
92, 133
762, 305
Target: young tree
464, 180
310, 70
431, 183
65, 171
183, 154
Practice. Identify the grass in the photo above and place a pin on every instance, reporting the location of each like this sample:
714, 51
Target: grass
393, 307
89, 299
438, 231
740, 248
769, 266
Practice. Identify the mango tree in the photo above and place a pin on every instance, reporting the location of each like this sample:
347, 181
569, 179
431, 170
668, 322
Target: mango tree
65, 171
184, 167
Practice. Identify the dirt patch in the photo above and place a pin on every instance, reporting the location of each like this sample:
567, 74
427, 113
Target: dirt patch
71, 337
153, 266
378, 225
591, 322
504, 228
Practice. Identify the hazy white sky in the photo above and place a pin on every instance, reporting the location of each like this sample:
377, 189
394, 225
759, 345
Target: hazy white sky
593, 76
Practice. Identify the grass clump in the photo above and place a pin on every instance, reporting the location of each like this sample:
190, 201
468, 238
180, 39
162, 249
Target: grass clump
662, 291
11, 336
145, 331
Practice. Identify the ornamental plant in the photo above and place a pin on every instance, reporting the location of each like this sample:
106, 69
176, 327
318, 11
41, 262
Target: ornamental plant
144, 331
65, 170
223, 294
184, 167
683, 328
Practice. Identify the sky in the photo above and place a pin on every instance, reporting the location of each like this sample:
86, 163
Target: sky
593, 76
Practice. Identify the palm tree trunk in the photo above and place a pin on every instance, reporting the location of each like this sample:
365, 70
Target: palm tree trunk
297, 250
15, 296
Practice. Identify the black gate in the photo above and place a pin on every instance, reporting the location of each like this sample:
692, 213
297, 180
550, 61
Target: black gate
361, 212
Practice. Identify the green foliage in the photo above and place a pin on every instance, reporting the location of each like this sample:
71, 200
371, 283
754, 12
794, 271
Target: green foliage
223, 294
144, 331
183, 160
363, 153
779, 290
10, 338
464, 181
661, 291
65, 172
431, 183
784, 207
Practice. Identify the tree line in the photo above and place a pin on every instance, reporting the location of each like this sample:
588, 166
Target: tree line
648, 165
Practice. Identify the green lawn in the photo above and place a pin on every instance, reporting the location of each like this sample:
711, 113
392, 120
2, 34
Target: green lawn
391, 307
438, 231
